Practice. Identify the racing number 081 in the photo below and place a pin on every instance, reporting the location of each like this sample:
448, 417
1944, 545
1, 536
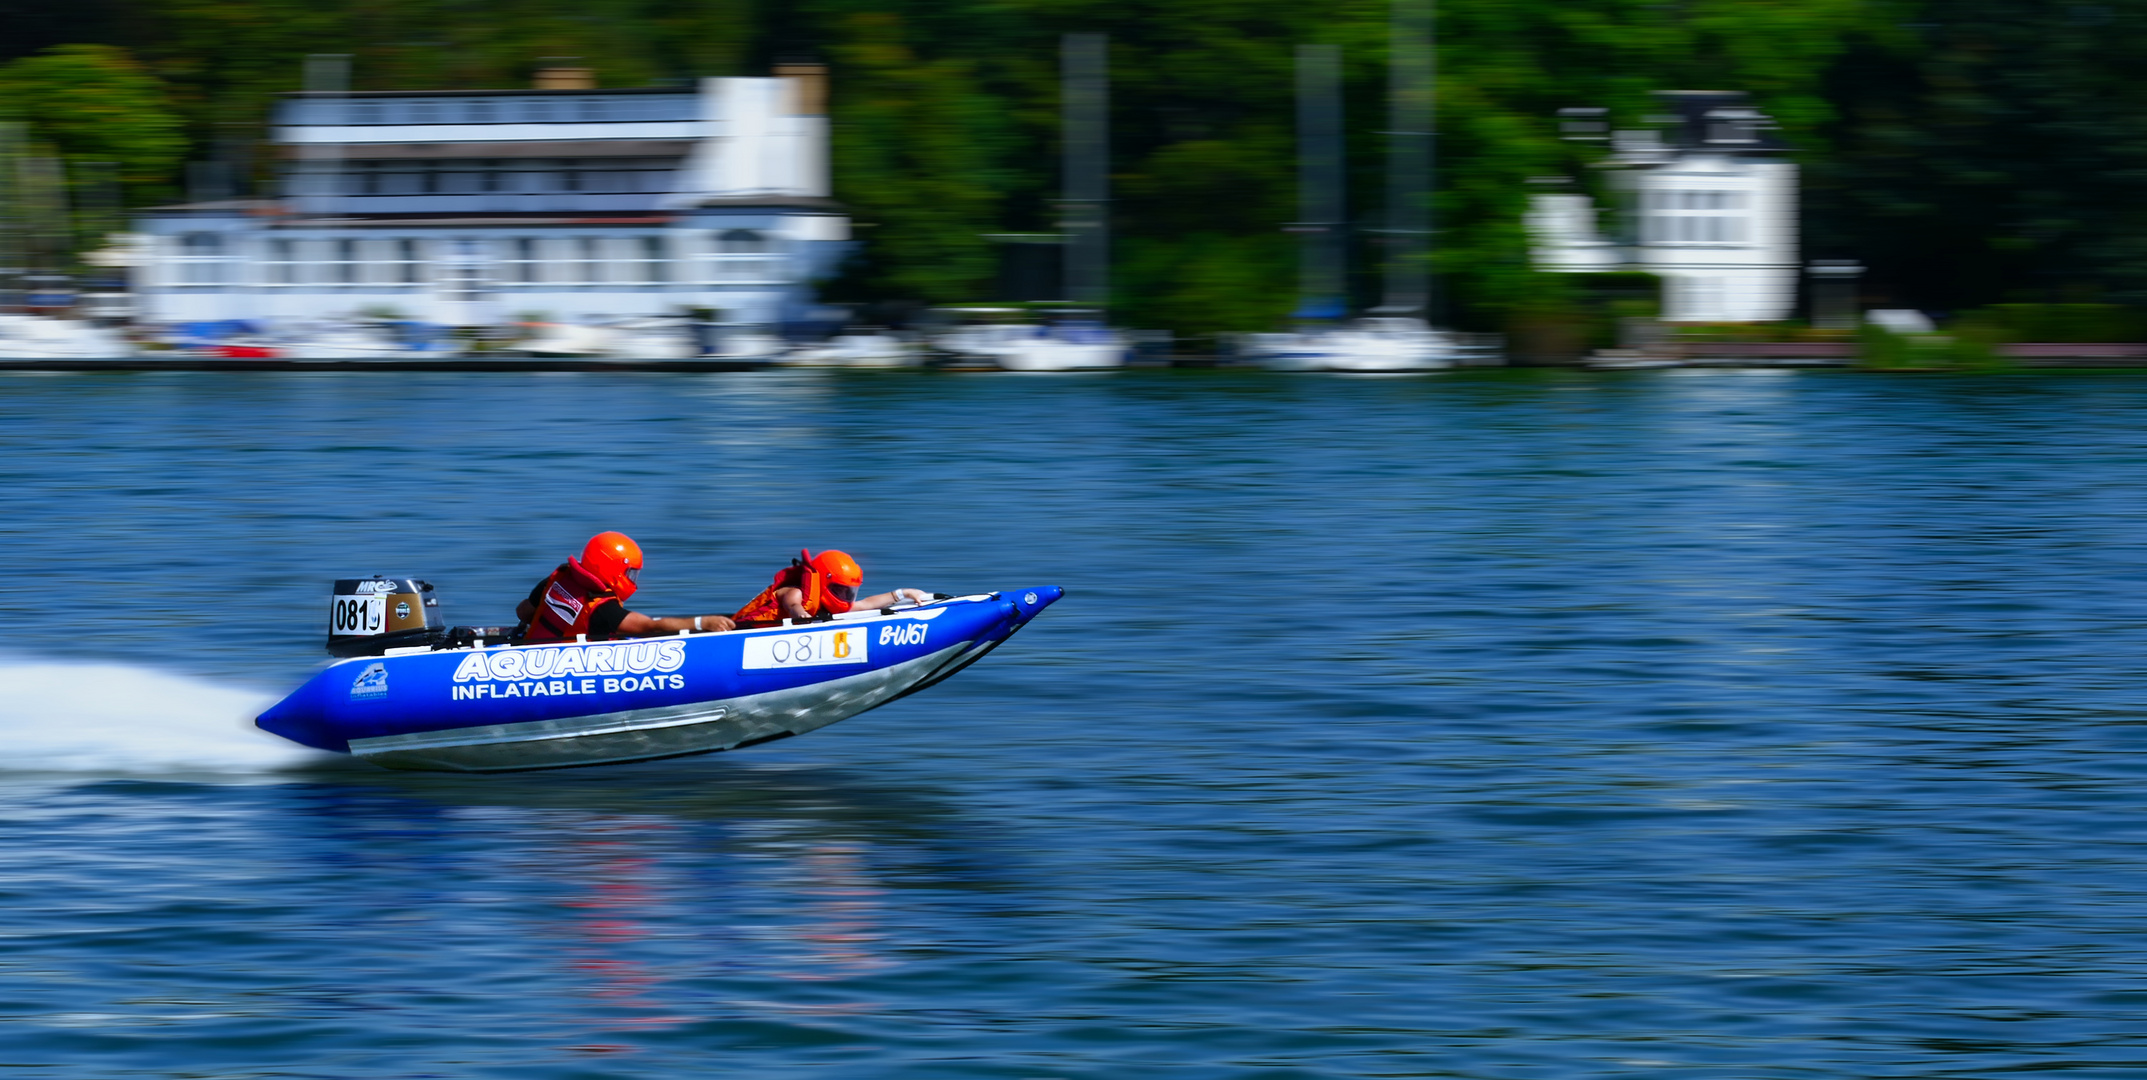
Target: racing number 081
357, 614
799, 650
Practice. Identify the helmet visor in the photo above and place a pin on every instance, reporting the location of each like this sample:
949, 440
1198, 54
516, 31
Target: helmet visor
845, 593
633, 574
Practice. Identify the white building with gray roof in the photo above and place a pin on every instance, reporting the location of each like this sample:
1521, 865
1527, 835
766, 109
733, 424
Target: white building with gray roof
484, 207
1709, 206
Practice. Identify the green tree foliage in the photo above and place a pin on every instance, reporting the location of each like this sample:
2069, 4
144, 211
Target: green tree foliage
919, 157
1203, 167
94, 103
227, 59
36, 25
1972, 152
1987, 152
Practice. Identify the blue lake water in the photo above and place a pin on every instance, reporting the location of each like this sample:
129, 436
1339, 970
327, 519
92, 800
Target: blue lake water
1518, 725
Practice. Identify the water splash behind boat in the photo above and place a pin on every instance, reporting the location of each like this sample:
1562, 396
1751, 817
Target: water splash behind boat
125, 719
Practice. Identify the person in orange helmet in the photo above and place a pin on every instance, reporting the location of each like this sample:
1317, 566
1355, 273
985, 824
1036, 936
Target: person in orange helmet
815, 587
587, 597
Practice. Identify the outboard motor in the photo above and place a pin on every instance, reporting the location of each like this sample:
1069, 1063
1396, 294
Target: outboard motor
369, 616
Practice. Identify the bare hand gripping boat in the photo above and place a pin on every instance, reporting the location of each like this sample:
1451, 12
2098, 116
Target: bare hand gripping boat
417, 695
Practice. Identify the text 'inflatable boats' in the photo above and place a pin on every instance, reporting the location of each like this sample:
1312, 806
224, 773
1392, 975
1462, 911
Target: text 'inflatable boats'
478, 707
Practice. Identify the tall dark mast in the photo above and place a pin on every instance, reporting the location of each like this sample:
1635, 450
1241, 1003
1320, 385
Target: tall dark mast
1411, 113
1084, 69
1321, 211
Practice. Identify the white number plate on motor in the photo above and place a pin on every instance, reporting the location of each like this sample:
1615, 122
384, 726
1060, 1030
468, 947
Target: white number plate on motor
810, 648
358, 615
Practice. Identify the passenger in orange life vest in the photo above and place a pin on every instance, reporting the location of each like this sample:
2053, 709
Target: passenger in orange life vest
588, 596
814, 587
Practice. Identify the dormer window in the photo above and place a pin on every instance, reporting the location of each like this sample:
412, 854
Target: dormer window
1731, 127
1641, 142
1584, 125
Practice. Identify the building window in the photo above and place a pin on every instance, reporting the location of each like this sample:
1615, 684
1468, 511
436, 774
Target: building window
1705, 218
459, 178
201, 259
464, 273
655, 260
301, 263
490, 176
522, 265
744, 255
305, 261
279, 270
742, 242
378, 263
592, 260
408, 269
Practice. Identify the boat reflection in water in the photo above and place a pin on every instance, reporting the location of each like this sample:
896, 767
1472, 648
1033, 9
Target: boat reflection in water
648, 898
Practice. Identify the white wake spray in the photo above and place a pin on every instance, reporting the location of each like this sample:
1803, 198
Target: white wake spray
59, 716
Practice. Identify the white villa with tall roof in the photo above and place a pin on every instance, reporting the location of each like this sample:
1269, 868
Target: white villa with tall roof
478, 208
1713, 212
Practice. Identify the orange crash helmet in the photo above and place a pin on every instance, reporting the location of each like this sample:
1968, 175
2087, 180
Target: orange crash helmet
615, 560
840, 576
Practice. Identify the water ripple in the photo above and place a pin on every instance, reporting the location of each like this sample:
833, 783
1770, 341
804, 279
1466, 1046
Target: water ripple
1516, 725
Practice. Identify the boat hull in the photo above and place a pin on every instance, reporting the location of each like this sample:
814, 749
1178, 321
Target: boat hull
503, 708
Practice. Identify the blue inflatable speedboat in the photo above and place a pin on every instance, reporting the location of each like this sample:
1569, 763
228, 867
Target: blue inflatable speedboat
422, 697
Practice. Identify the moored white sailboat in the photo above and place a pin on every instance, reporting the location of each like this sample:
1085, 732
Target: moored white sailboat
1396, 336
41, 337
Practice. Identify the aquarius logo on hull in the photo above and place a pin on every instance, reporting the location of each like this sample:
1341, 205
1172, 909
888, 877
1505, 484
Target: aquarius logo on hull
372, 682
555, 662
571, 670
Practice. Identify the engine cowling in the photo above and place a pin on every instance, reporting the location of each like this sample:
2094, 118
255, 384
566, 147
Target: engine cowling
369, 616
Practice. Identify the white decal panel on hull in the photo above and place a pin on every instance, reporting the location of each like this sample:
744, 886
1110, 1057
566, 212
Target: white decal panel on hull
814, 648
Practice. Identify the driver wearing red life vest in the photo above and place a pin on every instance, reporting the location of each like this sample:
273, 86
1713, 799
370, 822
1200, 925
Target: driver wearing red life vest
587, 597
816, 587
